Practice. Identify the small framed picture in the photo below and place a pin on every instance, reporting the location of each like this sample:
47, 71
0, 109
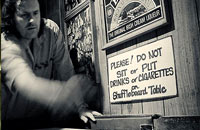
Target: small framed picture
127, 19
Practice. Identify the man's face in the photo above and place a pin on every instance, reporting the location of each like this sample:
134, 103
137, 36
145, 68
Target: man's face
27, 18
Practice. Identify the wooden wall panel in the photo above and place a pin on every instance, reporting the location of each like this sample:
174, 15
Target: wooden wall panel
132, 108
53, 10
100, 39
116, 109
183, 26
198, 10
169, 30
43, 8
186, 50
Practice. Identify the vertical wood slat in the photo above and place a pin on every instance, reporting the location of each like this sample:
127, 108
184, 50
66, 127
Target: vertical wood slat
116, 109
102, 56
98, 100
62, 15
132, 108
198, 10
43, 8
163, 32
186, 51
94, 39
53, 10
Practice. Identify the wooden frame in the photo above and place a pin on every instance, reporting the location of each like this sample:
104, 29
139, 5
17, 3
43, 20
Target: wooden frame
80, 7
85, 8
127, 19
130, 80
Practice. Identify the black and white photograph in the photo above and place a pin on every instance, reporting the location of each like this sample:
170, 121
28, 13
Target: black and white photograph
100, 65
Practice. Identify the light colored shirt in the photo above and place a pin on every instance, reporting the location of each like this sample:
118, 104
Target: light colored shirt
48, 59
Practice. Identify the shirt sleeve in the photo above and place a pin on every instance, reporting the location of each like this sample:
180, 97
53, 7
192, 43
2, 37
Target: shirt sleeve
19, 78
63, 67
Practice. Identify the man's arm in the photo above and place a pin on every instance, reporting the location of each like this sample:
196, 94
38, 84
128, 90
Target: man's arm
64, 69
57, 96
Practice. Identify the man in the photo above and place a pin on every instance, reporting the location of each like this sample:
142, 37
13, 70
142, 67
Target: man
38, 81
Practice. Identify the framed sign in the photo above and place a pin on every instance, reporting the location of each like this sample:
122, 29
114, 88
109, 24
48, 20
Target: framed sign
126, 19
144, 73
79, 36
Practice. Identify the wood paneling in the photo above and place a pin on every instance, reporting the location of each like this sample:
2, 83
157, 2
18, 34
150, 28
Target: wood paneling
132, 108
183, 26
186, 51
53, 10
198, 9
102, 57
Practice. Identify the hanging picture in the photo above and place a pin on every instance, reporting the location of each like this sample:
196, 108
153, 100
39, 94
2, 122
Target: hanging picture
147, 72
79, 39
125, 19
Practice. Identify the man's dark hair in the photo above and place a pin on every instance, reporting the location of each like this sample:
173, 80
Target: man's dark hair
8, 11
7, 18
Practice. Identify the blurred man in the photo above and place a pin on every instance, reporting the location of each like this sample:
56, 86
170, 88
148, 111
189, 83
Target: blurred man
38, 81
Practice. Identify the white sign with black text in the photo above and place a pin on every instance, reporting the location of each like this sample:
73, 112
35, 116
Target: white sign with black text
144, 73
